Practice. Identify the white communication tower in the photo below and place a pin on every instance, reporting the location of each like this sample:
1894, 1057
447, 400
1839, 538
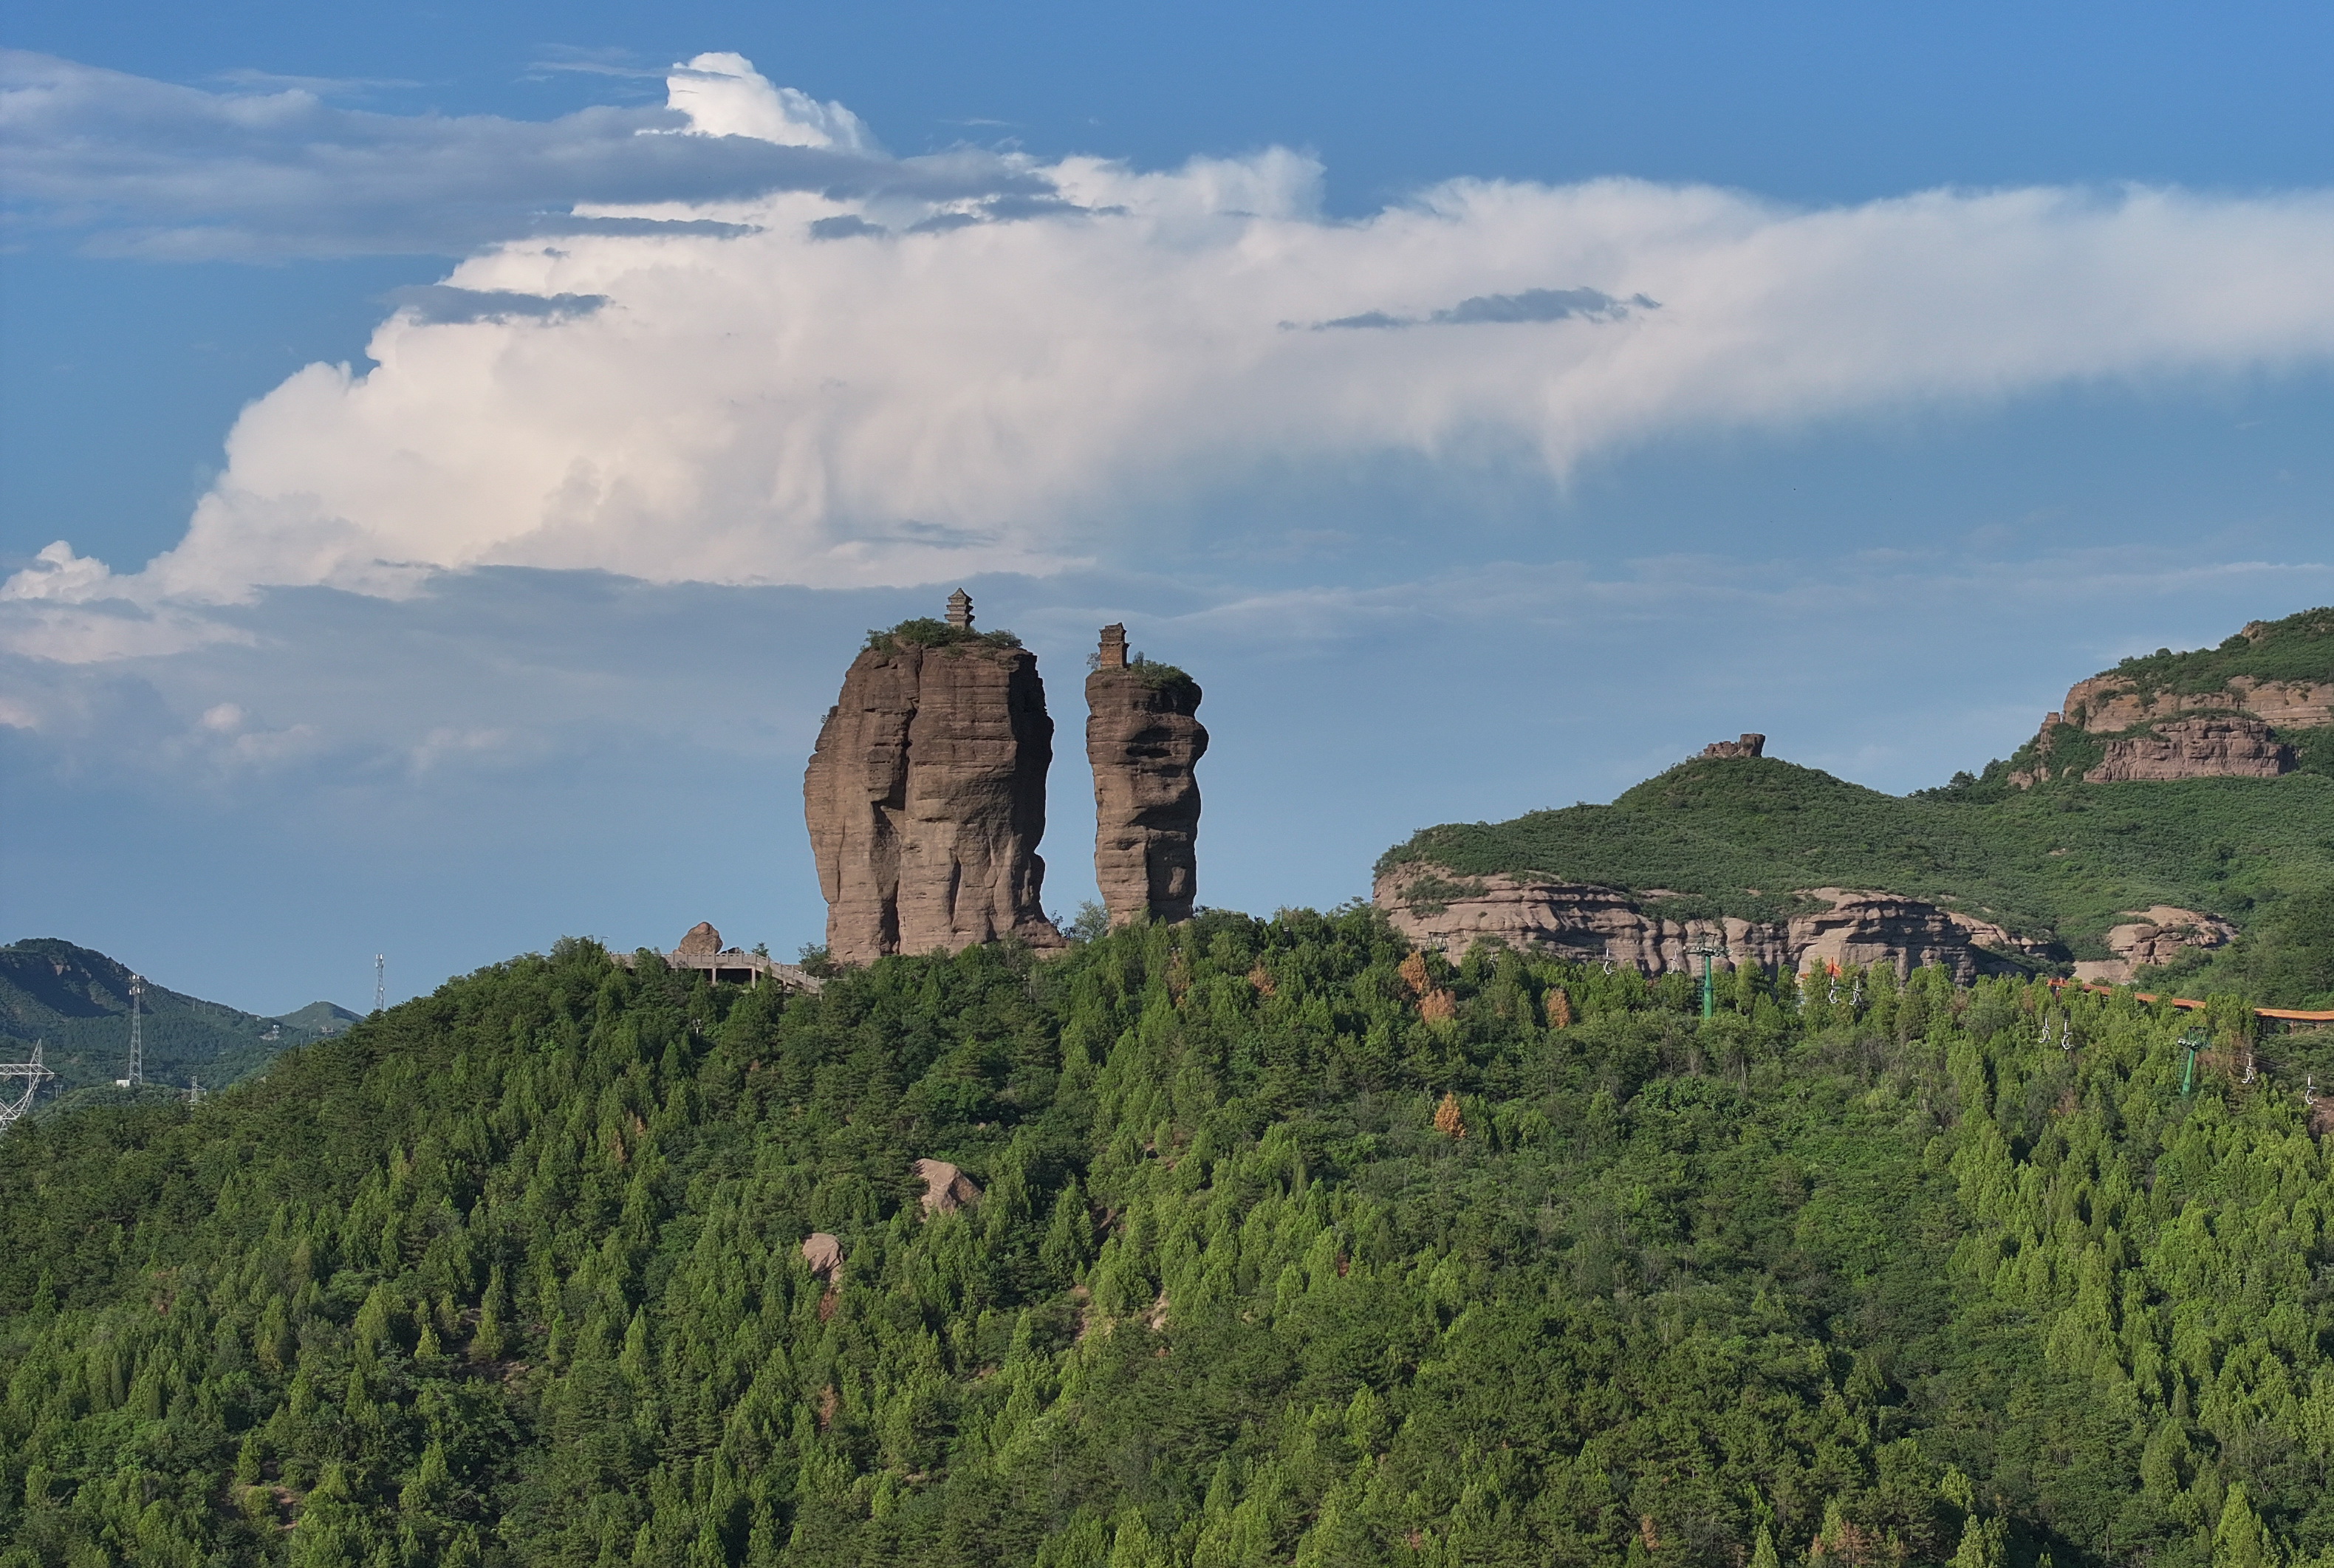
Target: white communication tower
137, 1035
380, 982
13, 1101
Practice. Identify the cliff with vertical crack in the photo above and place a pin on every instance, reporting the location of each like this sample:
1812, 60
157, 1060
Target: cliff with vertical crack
1144, 739
926, 798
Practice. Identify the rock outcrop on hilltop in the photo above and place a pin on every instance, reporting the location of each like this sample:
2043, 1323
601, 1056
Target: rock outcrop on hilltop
926, 796
1143, 739
2212, 713
2195, 748
1434, 907
2157, 935
1749, 745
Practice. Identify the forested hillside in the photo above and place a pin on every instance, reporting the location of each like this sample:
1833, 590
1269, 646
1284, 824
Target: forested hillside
1293, 1247
75, 1002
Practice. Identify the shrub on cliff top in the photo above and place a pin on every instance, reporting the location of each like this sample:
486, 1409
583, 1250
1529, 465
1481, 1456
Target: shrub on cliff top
923, 631
1158, 675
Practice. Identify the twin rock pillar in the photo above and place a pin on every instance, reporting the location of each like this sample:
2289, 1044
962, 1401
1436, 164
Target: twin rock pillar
1144, 740
926, 796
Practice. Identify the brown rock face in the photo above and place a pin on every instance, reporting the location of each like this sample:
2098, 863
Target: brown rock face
702, 941
2195, 748
1434, 907
946, 1188
1144, 740
1749, 745
2157, 936
2108, 704
926, 799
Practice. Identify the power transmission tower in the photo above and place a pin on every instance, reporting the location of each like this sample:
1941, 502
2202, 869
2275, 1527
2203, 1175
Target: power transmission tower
137, 1035
16, 1103
380, 982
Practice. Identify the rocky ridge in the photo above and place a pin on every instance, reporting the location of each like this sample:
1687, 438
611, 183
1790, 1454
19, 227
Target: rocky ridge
1434, 907
926, 795
2190, 716
2109, 704
1143, 739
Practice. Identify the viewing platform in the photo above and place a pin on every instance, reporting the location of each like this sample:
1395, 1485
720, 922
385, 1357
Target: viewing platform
702, 949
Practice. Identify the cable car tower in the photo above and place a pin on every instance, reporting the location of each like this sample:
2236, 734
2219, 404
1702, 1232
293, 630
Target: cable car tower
1708, 948
13, 1101
137, 1035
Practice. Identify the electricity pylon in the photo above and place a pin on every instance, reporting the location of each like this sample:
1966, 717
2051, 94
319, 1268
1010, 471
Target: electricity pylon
136, 1036
16, 1103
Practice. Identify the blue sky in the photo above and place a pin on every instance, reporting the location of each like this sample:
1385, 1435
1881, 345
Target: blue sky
1489, 405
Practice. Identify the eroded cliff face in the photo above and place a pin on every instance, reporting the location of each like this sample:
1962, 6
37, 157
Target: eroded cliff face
2185, 719
2107, 704
1435, 907
1143, 739
2195, 748
926, 799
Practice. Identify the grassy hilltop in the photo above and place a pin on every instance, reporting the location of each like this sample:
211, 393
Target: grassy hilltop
1293, 1249
2063, 858
1738, 836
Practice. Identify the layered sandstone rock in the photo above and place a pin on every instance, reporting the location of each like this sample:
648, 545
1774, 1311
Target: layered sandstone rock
2109, 704
926, 799
1144, 740
1749, 745
1434, 908
2157, 935
2195, 748
2177, 734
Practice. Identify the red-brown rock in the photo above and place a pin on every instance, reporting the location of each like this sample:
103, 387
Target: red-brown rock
1143, 739
926, 799
2195, 748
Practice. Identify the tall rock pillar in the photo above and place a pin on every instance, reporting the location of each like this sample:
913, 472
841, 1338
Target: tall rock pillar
1144, 738
926, 797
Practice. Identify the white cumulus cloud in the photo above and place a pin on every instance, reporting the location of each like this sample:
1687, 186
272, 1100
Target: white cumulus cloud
897, 382
723, 95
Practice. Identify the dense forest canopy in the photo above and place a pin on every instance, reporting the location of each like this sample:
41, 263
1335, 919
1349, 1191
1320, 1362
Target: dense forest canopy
1292, 1246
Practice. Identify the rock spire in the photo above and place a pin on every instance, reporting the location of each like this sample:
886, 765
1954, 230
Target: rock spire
1143, 739
926, 796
